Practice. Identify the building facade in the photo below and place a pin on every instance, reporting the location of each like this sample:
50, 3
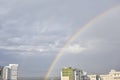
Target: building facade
94, 77
1, 72
112, 75
10, 72
6, 73
67, 74
13, 71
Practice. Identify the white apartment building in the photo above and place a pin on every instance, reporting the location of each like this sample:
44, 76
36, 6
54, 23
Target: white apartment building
94, 77
113, 75
10, 72
6, 73
13, 71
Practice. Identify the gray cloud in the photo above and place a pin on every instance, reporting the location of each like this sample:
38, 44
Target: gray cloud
37, 30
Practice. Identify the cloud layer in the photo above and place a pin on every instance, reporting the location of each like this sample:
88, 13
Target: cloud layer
33, 31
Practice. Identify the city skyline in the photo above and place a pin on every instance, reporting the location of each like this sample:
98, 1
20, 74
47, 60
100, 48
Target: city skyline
69, 73
32, 32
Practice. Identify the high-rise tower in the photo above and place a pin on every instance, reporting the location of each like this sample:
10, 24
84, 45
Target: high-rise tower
10, 72
13, 71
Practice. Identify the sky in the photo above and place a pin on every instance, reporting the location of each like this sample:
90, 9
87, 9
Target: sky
32, 32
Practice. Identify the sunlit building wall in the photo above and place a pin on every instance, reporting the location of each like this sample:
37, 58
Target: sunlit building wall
67, 73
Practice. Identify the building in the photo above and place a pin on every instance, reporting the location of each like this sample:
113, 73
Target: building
10, 72
13, 71
94, 77
69, 73
6, 73
104, 77
1, 72
112, 75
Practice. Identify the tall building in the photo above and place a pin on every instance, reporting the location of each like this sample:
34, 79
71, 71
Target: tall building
10, 72
13, 71
69, 73
6, 73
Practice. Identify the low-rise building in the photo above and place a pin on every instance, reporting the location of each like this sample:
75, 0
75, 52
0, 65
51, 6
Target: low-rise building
112, 75
94, 77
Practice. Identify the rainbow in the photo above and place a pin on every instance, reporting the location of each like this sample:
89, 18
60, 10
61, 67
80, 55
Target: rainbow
76, 34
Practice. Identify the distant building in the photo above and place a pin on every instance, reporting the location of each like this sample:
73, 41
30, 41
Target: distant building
69, 73
10, 72
113, 75
6, 73
1, 72
13, 71
94, 77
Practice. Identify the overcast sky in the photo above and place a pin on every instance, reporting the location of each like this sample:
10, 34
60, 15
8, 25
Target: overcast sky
33, 31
